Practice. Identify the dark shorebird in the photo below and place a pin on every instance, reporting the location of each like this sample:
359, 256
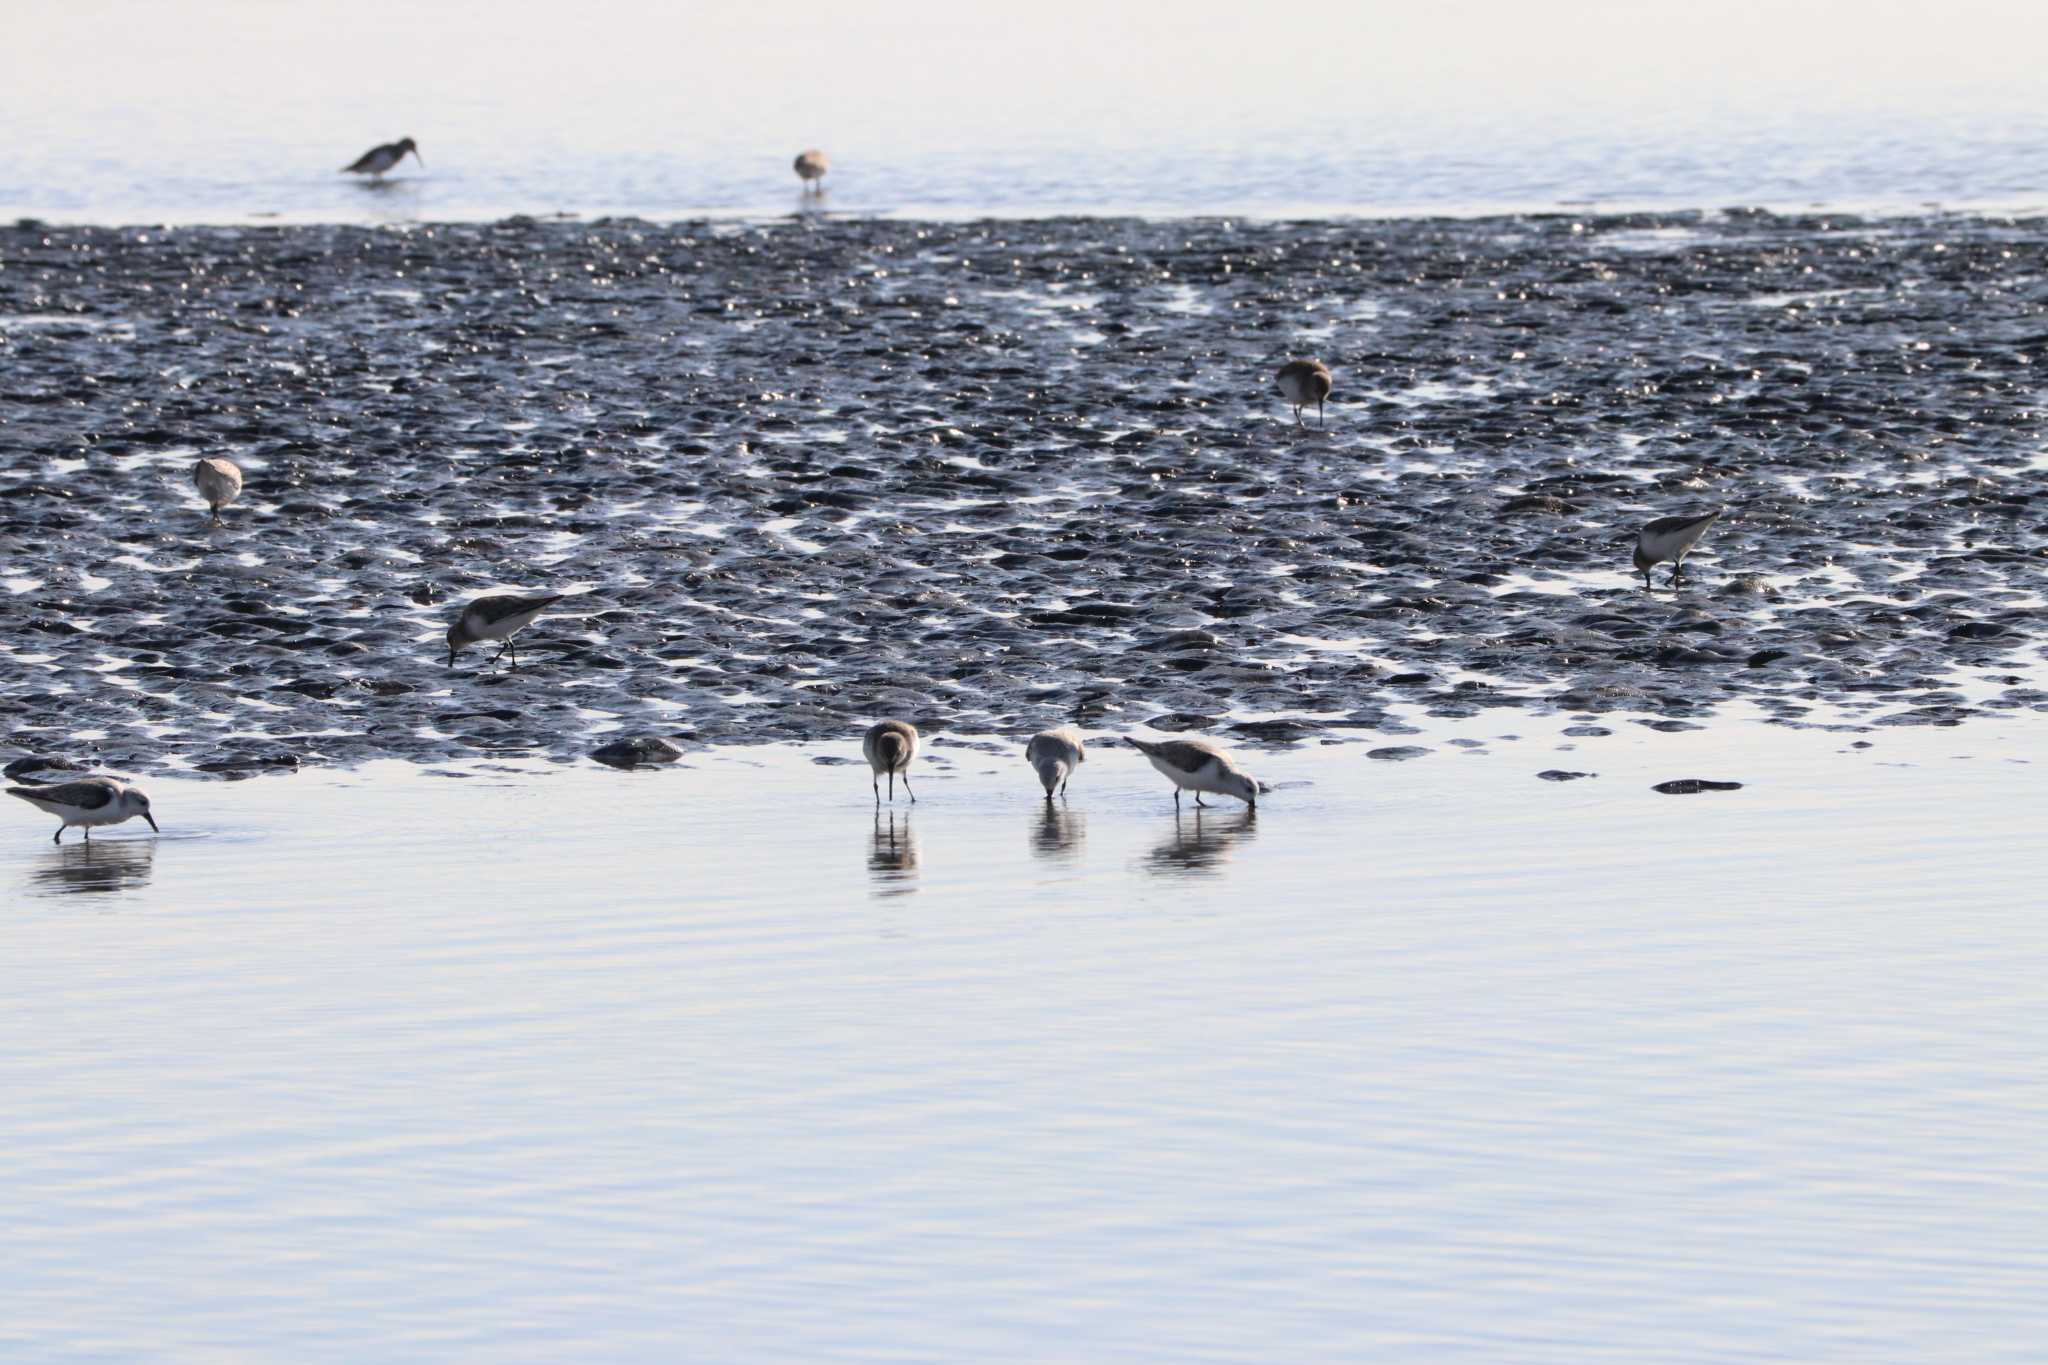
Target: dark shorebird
888, 746
87, 802
495, 618
1302, 382
378, 160
1199, 766
1670, 538
810, 168
1053, 755
219, 482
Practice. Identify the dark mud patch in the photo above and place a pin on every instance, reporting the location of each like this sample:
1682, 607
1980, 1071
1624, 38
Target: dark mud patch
1000, 476
1693, 786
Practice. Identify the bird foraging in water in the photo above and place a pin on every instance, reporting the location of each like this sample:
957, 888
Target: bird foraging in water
1670, 538
495, 618
1053, 755
888, 746
380, 159
1302, 382
810, 168
1199, 766
219, 482
87, 802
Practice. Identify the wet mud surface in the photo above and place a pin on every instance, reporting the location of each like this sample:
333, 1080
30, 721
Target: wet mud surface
995, 477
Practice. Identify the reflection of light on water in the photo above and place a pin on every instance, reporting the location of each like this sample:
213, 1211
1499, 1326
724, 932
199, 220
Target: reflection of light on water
1198, 845
1057, 832
85, 868
892, 857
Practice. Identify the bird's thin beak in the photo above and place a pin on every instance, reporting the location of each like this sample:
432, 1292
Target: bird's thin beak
152, 823
417, 157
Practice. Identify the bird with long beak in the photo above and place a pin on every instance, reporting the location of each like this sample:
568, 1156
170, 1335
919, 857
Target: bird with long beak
87, 802
1670, 538
888, 746
1302, 382
495, 618
1053, 755
383, 157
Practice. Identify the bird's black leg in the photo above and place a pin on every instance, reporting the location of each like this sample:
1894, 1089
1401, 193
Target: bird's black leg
1320, 420
1176, 800
1674, 572
87, 831
1297, 416
906, 787
876, 783
58, 837
1647, 584
1200, 802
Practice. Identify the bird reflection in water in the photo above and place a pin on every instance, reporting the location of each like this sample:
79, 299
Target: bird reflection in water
86, 869
1057, 832
1200, 846
892, 858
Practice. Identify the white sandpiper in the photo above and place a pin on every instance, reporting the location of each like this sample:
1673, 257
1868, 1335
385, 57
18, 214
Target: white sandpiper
496, 618
87, 802
1199, 766
382, 158
1670, 538
888, 746
1302, 382
811, 167
1053, 755
219, 482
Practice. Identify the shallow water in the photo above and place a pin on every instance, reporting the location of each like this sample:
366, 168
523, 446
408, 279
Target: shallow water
1428, 1059
952, 111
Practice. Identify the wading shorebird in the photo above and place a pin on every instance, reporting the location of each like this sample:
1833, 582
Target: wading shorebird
1199, 766
378, 160
1053, 755
810, 168
1302, 382
888, 746
495, 618
1670, 538
87, 802
219, 482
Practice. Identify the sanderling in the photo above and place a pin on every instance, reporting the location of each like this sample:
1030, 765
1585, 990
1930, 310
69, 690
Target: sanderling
219, 481
889, 745
1054, 754
378, 160
1303, 382
87, 802
495, 618
1199, 766
1670, 538
811, 167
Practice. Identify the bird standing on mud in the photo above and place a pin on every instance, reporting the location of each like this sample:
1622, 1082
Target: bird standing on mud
495, 618
1670, 538
219, 481
380, 159
1302, 382
888, 746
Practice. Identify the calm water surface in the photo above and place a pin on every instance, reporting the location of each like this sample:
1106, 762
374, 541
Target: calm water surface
1427, 1060
241, 110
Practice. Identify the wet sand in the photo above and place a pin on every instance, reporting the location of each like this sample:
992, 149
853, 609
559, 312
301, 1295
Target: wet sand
1432, 1058
998, 476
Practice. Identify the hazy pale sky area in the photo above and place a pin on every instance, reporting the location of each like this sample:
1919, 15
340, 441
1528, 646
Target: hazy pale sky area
115, 88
